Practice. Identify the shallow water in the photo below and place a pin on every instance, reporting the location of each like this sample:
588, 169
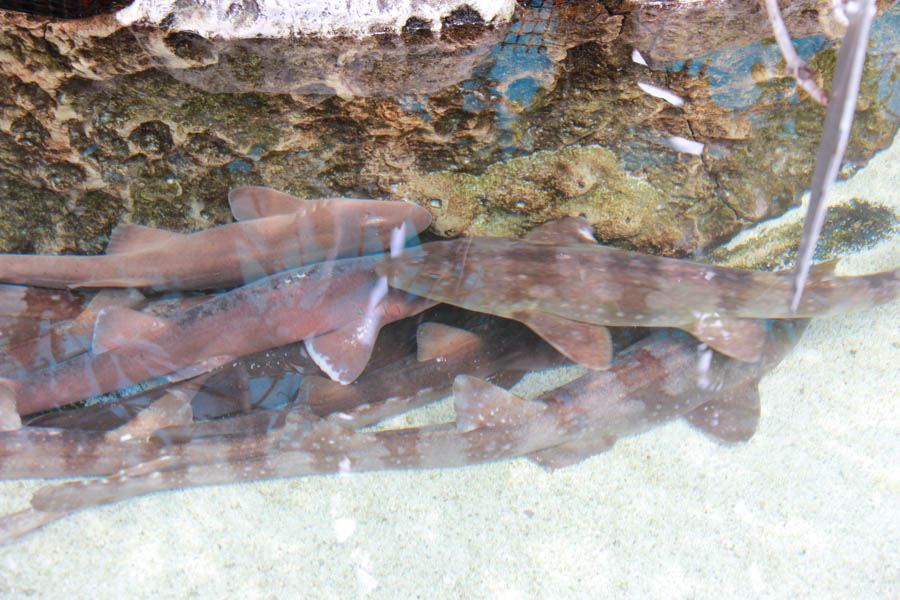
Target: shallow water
806, 507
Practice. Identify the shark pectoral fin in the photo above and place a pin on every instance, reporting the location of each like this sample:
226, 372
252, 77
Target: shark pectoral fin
9, 414
344, 353
255, 202
436, 341
225, 392
126, 238
571, 453
587, 344
83, 324
173, 409
200, 368
568, 230
731, 418
743, 339
117, 326
482, 404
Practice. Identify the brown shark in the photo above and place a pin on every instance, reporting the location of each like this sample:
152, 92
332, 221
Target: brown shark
552, 286
89, 441
275, 232
53, 341
21, 302
343, 299
663, 377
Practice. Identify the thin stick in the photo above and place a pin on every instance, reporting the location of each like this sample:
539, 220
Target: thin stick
835, 133
805, 76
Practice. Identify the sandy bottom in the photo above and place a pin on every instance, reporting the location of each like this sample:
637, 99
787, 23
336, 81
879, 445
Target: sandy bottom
807, 508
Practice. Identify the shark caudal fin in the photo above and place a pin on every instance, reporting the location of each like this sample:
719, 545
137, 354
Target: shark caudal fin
9, 414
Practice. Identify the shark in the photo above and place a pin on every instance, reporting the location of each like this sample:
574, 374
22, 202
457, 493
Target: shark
274, 232
336, 307
665, 376
34, 344
554, 285
18, 303
92, 440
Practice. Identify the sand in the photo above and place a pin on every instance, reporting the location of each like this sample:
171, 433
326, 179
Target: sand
807, 508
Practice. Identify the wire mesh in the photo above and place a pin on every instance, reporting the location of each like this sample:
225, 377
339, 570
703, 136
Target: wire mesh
64, 9
527, 33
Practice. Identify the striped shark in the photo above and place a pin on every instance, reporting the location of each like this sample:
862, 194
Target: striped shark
33, 345
553, 286
337, 306
274, 232
89, 441
666, 376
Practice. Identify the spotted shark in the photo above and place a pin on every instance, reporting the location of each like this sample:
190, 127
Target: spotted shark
274, 232
555, 285
665, 376
89, 441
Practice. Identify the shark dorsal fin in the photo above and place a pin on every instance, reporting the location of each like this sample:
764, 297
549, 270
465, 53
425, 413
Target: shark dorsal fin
731, 418
255, 202
568, 230
116, 326
585, 343
173, 409
482, 404
83, 324
126, 238
823, 271
436, 340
